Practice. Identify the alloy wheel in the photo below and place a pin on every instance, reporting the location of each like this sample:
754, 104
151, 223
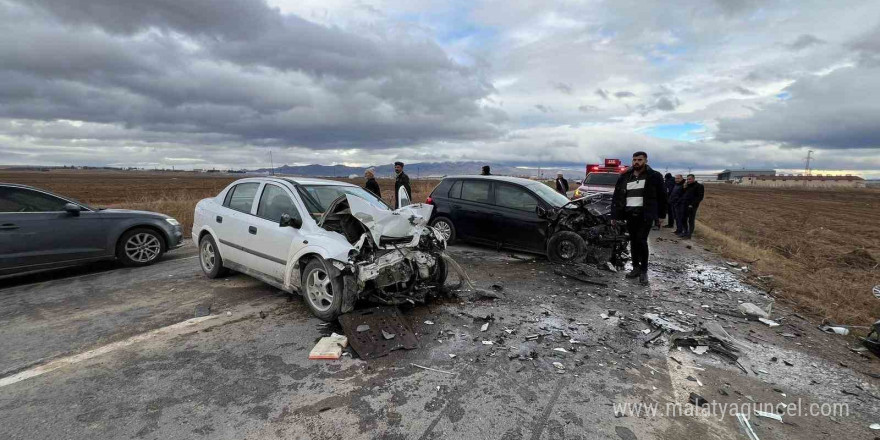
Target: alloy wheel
143, 247
319, 290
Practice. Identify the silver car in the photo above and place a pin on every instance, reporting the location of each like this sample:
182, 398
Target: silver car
40, 230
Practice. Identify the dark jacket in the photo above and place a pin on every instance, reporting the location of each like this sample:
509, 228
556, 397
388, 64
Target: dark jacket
402, 180
561, 185
670, 183
692, 195
655, 203
373, 187
675, 195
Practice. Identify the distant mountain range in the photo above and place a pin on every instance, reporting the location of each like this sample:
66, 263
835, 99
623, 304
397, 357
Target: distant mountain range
424, 169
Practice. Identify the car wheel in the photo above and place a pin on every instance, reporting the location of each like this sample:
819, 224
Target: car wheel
209, 258
323, 292
442, 271
444, 226
140, 247
566, 246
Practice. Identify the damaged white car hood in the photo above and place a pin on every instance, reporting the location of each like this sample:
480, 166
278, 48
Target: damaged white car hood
408, 221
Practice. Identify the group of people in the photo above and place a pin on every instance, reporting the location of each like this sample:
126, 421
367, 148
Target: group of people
642, 197
684, 195
401, 180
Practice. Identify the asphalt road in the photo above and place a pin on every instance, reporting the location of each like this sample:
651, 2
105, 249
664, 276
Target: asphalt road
104, 352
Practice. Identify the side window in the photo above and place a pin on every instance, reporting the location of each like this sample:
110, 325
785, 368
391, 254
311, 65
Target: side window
512, 197
241, 197
25, 200
475, 191
455, 191
274, 202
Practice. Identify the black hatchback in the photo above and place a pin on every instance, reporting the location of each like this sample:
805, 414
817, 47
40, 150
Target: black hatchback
494, 210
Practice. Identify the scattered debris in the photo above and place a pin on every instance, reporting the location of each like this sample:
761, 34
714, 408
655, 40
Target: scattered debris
228, 313
329, 347
700, 349
769, 415
872, 341
484, 327
651, 336
362, 328
732, 264
624, 433
202, 311
433, 369
262, 314
875, 426
488, 342
834, 330
876, 292
567, 272
697, 400
373, 343
429, 322
769, 322
657, 321
387, 335
561, 350
714, 336
451, 356
754, 311
559, 365
746, 426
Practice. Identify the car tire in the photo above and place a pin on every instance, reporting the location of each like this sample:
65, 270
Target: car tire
444, 226
441, 273
210, 259
566, 247
322, 292
140, 247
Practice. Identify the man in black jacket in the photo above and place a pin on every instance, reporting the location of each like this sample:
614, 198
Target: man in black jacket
371, 185
669, 181
674, 205
690, 201
401, 181
639, 199
561, 184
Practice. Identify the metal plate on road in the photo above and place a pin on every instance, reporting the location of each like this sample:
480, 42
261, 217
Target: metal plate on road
371, 343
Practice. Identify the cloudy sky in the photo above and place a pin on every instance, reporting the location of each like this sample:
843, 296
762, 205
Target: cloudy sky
201, 83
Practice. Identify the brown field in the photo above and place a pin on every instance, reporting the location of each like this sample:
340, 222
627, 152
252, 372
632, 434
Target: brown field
821, 247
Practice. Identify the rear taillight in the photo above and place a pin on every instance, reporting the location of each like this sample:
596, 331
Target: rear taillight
429, 201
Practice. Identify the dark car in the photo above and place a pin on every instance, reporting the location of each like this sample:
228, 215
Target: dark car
525, 215
40, 230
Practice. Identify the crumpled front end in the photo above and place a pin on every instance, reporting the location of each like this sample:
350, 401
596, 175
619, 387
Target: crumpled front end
590, 218
396, 257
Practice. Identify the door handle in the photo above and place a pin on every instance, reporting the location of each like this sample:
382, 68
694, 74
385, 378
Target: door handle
252, 230
219, 219
8, 226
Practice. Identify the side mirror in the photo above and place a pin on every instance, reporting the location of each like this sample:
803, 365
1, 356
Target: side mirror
540, 211
293, 222
73, 209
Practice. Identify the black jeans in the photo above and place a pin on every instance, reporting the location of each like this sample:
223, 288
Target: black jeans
691, 219
670, 217
680, 218
638, 228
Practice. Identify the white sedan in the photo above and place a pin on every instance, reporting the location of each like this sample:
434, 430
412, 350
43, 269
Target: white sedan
333, 242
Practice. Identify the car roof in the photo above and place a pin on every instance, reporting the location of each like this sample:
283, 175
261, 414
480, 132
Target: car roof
509, 179
295, 180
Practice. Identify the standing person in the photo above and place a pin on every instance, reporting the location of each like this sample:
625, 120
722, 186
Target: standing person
674, 203
670, 184
401, 181
371, 185
561, 184
639, 199
690, 202
485, 171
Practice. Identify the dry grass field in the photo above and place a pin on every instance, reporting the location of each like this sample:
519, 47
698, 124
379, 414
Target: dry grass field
821, 247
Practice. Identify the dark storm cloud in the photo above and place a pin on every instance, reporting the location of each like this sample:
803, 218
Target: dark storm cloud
804, 41
588, 108
602, 93
237, 68
836, 111
624, 94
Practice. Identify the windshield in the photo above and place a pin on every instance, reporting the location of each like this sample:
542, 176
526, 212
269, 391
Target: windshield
601, 179
548, 195
319, 197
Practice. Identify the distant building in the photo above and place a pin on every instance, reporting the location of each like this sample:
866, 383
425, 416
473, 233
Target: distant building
737, 174
815, 182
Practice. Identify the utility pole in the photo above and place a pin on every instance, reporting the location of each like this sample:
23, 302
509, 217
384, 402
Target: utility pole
808, 170
271, 162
